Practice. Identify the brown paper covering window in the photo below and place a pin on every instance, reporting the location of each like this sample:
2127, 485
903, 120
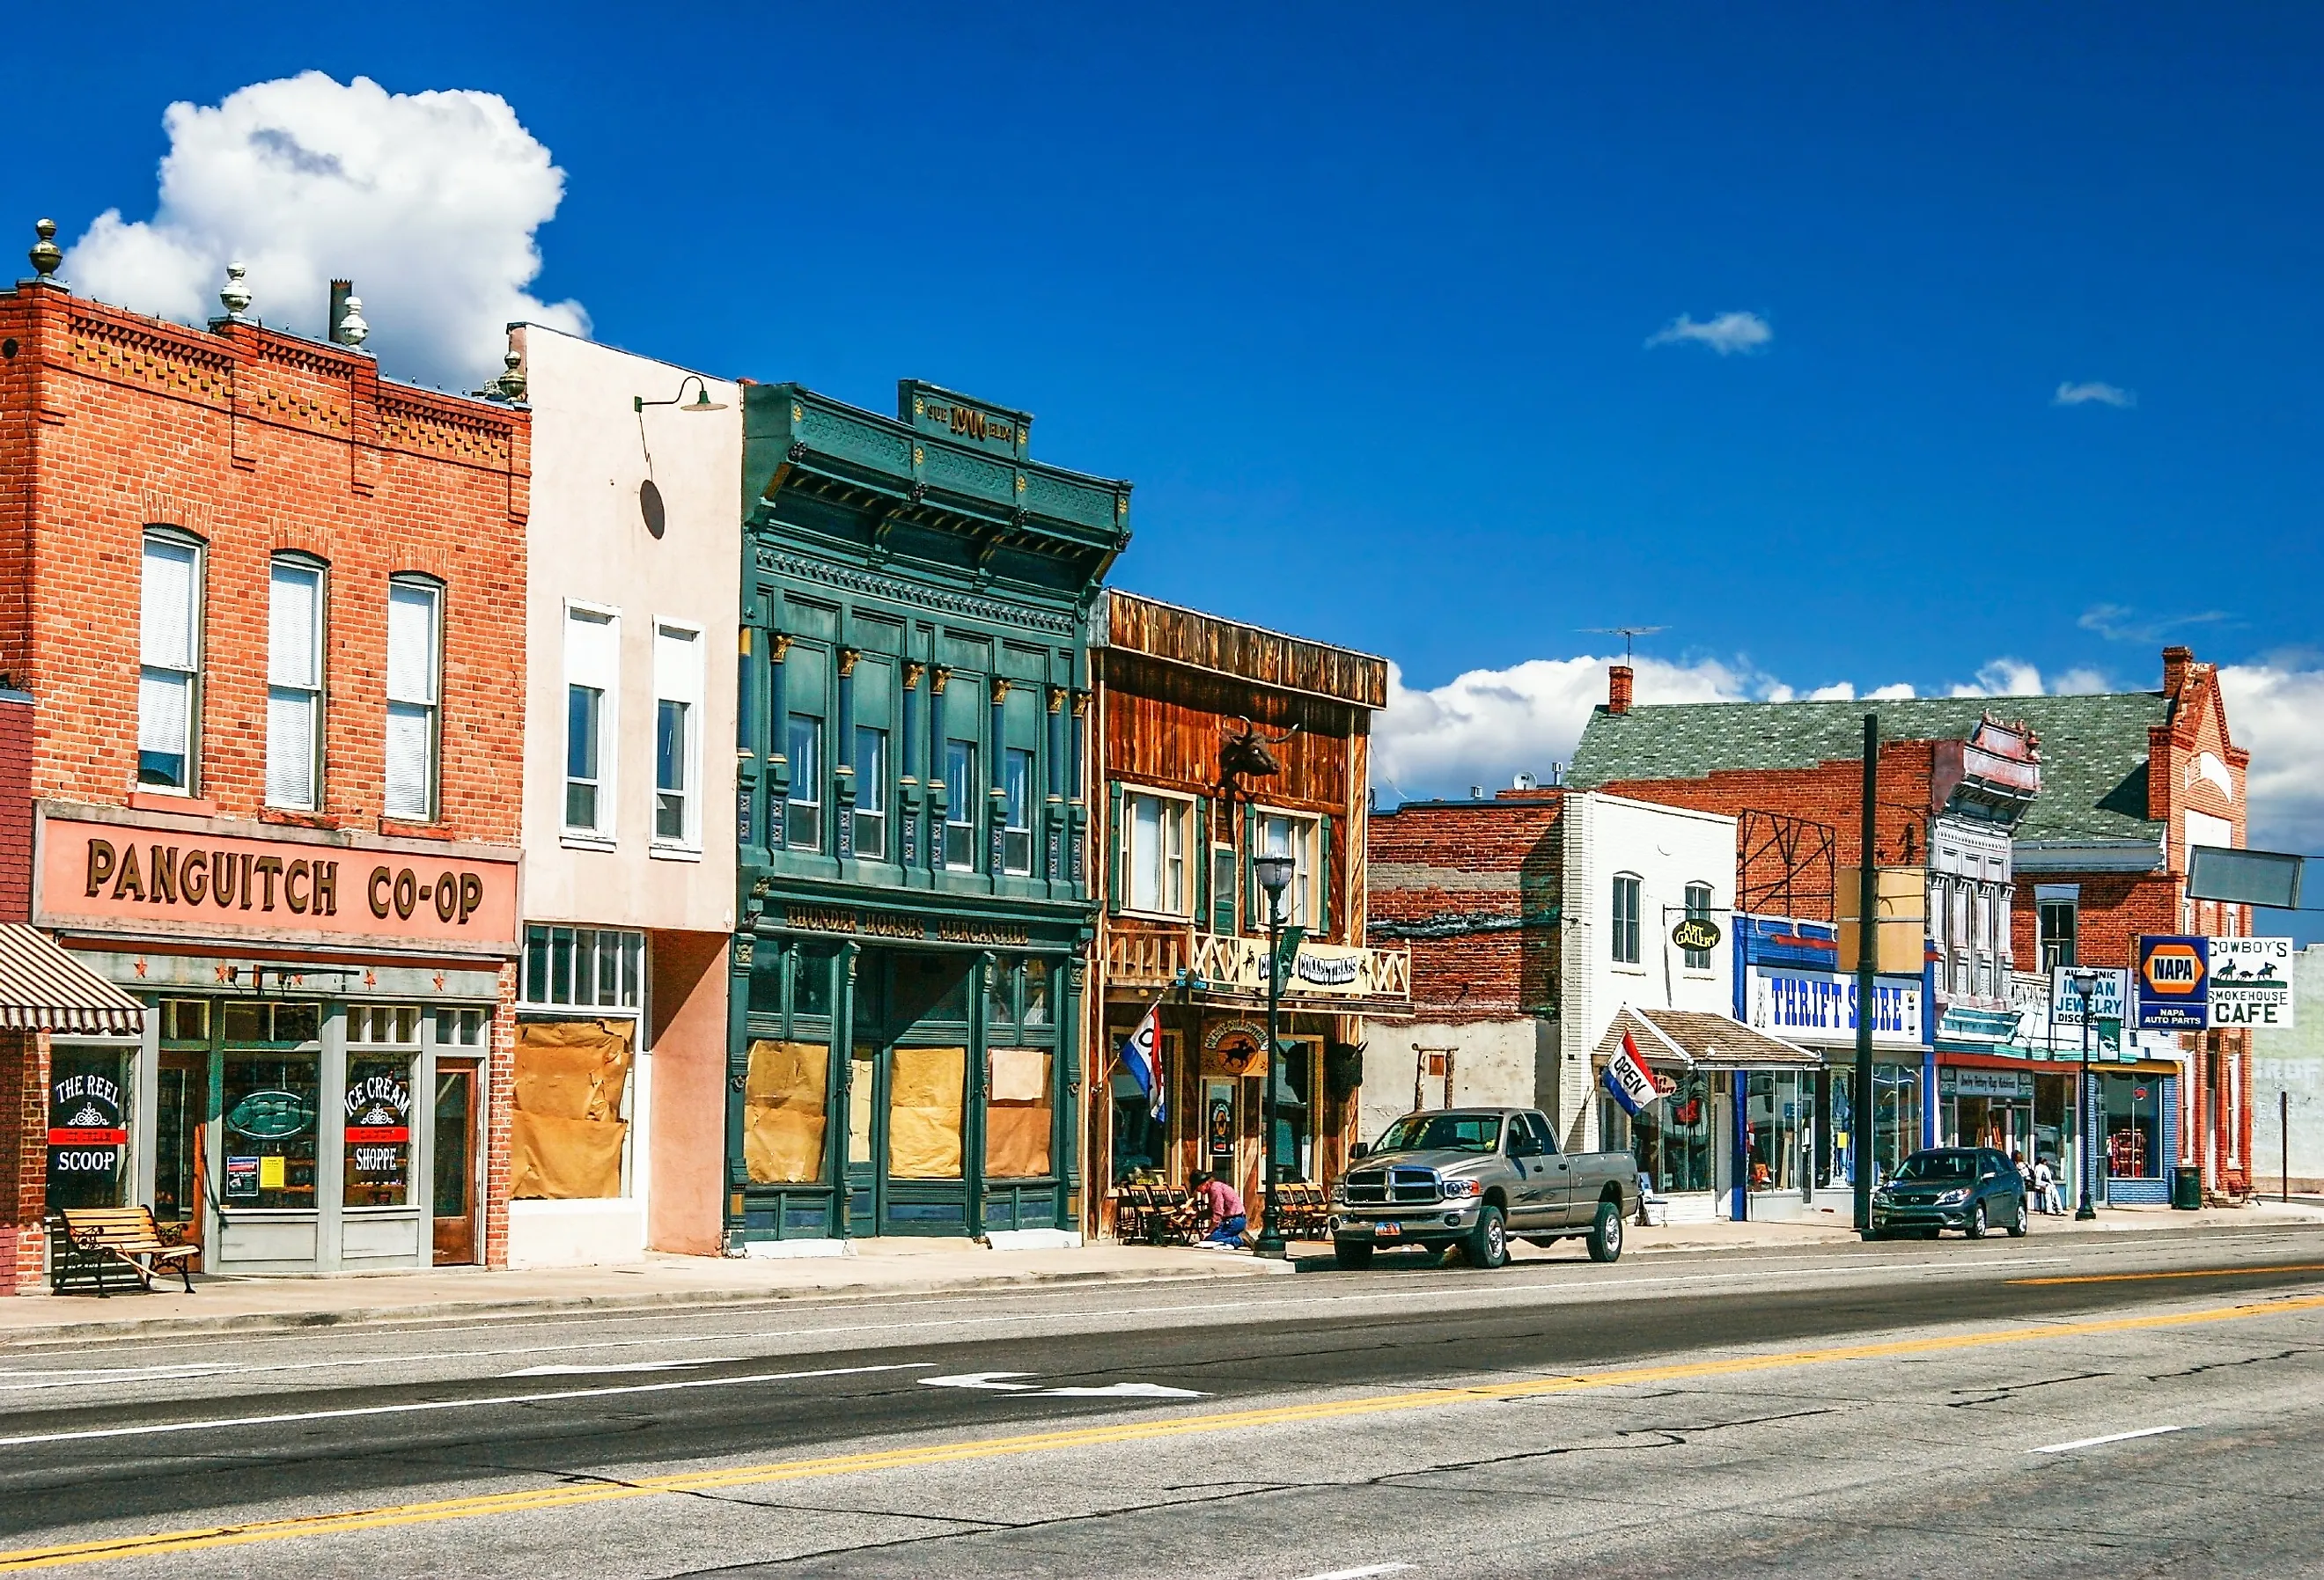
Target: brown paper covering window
1017, 1115
783, 1116
566, 1133
924, 1112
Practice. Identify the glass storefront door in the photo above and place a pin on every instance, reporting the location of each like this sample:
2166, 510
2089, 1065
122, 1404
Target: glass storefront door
1780, 1112
458, 1114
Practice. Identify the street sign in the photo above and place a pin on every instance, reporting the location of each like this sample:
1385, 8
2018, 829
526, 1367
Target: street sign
2109, 987
2173, 983
2251, 981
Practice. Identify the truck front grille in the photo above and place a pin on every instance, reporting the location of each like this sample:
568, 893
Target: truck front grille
1412, 1185
1368, 1185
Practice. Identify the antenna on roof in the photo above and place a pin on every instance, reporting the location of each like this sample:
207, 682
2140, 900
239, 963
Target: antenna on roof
1625, 632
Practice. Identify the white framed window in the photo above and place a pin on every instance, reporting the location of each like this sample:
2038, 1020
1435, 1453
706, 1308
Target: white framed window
870, 814
803, 808
294, 684
596, 968
1624, 933
960, 806
677, 736
415, 665
1288, 834
169, 676
1017, 812
1697, 908
1155, 833
593, 666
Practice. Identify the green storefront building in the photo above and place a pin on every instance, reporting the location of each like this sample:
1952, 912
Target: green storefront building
905, 1054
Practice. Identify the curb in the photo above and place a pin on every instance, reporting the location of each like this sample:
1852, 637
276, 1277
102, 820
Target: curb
31, 1335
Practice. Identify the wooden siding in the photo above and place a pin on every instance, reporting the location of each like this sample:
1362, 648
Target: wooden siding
1226, 647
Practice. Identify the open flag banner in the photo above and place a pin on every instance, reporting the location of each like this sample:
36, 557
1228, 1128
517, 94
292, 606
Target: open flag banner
1628, 1077
1142, 1056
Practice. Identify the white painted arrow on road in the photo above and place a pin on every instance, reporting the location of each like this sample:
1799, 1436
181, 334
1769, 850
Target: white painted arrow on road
998, 1381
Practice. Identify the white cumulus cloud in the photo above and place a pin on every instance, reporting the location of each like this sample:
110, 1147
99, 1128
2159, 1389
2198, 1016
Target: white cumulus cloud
2277, 711
430, 201
2081, 395
1726, 334
1488, 725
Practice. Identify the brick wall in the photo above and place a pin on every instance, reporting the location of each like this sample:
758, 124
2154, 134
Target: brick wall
1473, 888
17, 736
23, 1158
257, 442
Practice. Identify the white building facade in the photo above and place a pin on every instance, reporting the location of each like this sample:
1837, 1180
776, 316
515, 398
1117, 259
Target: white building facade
635, 572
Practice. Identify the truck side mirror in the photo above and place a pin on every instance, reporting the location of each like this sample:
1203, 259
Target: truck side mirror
1358, 1150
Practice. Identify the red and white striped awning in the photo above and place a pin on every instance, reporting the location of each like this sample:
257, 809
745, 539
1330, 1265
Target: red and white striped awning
44, 989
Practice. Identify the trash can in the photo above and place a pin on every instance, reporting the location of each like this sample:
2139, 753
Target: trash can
2187, 1189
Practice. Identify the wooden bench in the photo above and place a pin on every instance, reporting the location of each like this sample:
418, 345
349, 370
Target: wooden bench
87, 1242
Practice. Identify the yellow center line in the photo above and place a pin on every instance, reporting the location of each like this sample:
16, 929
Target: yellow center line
2200, 1272
1144, 1429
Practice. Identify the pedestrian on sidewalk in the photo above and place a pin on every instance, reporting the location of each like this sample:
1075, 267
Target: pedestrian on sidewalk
1227, 1218
2024, 1173
2045, 1186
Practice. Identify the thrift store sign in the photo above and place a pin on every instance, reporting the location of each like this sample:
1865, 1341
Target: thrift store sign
1821, 1006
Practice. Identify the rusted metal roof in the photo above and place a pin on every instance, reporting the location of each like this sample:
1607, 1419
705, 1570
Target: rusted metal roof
1690, 1039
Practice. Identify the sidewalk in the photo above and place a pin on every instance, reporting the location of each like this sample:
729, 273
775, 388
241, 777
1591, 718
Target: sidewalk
872, 1267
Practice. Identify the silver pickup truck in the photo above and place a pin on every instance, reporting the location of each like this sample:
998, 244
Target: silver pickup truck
1477, 1178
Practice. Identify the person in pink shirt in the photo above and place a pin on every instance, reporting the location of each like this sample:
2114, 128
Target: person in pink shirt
1227, 1219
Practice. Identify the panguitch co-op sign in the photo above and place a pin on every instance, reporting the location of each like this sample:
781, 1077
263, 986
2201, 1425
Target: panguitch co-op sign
135, 878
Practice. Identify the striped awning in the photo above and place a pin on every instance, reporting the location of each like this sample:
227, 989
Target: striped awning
44, 989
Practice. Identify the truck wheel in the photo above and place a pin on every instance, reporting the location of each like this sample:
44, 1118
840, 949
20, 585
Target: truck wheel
1489, 1245
1606, 1233
1351, 1254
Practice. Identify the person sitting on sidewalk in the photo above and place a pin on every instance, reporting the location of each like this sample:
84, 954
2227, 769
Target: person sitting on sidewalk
1227, 1219
2046, 1187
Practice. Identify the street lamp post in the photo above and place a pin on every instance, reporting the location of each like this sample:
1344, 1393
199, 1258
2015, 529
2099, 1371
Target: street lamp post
2085, 983
1274, 873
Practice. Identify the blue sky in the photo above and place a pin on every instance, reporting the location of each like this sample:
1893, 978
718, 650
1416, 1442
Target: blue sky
1361, 299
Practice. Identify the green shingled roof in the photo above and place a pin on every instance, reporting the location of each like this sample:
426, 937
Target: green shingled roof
2093, 748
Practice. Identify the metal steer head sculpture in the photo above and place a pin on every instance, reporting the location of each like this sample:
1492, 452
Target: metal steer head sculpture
1246, 756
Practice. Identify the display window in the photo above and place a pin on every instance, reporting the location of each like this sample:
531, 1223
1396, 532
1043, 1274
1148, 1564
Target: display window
2133, 1126
89, 1125
272, 1102
1673, 1140
375, 1116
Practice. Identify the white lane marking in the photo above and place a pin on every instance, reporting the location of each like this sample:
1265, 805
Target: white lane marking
439, 1404
978, 1379
99, 1377
1363, 1574
621, 1366
994, 1379
2110, 1438
1607, 1290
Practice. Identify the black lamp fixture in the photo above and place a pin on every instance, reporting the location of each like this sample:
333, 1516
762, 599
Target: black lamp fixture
1275, 873
650, 500
2086, 983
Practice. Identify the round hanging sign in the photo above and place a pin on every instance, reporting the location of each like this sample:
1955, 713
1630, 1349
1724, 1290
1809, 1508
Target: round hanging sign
1698, 933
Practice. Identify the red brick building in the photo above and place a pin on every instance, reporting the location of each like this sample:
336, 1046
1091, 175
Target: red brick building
1474, 890
265, 610
2095, 812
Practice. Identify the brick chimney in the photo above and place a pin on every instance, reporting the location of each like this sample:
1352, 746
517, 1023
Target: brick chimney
2175, 661
1618, 688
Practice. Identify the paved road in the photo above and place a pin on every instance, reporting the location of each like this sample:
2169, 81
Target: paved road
1872, 1409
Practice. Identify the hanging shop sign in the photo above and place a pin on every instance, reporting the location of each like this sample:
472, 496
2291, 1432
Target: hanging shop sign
1698, 933
149, 878
2188, 984
2110, 991
2251, 981
1799, 1004
2175, 984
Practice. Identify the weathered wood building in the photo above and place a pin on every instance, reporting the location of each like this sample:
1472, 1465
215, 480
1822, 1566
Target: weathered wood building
1220, 742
